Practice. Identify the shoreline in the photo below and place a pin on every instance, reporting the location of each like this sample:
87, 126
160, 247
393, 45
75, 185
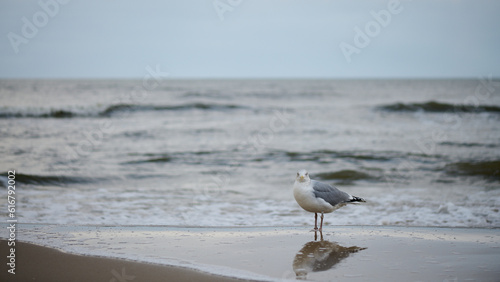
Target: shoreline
159, 253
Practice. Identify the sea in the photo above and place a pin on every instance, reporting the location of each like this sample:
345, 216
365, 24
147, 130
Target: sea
209, 152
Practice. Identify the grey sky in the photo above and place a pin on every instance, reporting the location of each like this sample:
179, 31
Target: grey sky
255, 38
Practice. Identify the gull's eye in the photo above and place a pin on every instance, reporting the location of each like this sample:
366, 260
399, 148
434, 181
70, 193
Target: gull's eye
297, 174
307, 173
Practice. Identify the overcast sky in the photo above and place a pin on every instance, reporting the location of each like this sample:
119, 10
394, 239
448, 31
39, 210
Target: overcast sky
250, 38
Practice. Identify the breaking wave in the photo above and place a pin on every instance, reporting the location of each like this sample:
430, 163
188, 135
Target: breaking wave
191, 106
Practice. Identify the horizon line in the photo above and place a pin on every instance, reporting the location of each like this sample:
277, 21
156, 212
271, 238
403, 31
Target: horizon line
259, 78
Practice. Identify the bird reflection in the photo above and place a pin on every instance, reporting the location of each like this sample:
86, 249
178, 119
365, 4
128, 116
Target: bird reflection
320, 256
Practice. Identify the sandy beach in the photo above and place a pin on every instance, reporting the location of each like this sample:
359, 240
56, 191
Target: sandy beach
166, 253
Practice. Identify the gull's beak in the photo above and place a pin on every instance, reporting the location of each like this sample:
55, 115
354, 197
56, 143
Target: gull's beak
301, 177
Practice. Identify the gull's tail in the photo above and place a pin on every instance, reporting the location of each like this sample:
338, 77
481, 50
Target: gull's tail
356, 199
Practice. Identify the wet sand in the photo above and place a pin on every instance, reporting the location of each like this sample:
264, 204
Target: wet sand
36, 263
165, 253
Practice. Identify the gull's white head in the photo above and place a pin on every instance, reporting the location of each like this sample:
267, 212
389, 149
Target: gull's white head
302, 176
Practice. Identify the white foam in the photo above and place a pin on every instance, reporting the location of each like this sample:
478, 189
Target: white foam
412, 208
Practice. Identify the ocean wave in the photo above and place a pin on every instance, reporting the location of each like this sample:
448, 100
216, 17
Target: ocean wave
468, 144
47, 114
112, 110
190, 106
327, 156
46, 180
229, 157
438, 107
488, 170
346, 176
196, 157
160, 159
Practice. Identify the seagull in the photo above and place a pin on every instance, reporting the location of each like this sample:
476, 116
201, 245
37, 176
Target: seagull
317, 197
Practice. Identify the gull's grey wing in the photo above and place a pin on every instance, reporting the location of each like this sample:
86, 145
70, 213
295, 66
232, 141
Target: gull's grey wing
330, 194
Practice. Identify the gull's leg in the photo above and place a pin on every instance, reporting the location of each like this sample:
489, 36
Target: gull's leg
315, 221
321, 226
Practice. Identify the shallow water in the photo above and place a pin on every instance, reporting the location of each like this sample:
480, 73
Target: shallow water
225, 152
